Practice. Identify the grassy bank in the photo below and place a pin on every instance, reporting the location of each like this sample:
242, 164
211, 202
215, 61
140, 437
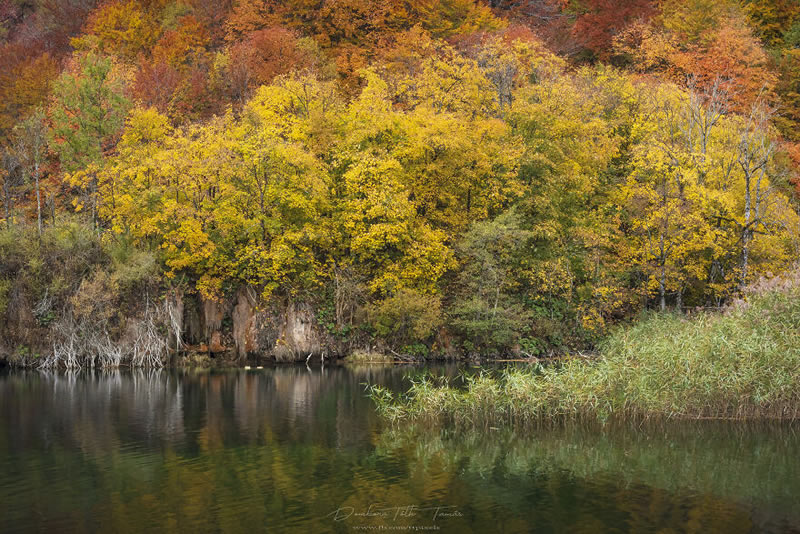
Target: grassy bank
743, 363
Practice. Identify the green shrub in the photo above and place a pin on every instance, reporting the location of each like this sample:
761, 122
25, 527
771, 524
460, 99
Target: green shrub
5, 287
140, 268
485, 311
487, 327
366, 356
406, 317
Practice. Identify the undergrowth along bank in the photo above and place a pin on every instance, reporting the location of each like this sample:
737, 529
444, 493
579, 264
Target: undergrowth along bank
743, 363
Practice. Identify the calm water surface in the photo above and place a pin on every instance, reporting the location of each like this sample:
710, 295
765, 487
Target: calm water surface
293, 450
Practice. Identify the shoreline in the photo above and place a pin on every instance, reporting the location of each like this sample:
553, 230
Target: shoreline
741, 364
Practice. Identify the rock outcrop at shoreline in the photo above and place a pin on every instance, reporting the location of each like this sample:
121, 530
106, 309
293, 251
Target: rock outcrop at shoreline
243, 326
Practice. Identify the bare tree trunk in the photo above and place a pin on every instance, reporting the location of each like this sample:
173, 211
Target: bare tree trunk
746, 231
93, 190
38, 200
10, 205
756, 149
6, 204
745, 258
662, 279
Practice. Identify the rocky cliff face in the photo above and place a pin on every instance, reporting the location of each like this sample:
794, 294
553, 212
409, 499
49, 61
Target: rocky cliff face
245, 322
299, 334
243, 326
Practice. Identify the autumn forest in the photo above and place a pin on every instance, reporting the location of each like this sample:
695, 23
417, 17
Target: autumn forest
429, 178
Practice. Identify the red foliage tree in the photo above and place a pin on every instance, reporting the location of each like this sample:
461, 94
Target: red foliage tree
155, 84
260, 57
213, 14
601, 20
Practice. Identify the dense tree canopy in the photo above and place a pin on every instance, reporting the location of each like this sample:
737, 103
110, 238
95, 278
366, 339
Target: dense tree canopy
519, 175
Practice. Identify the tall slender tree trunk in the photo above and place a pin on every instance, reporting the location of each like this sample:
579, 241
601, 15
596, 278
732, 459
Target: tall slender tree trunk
94, 202
9, 203
38, 200
662, 279
745, 257
746, 233
6, 204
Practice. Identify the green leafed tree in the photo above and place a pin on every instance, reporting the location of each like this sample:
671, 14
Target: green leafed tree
87, 112
31, 135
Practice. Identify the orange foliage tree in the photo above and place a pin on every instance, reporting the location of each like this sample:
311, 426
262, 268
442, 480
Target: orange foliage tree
24, 83
736, 56
706, 44
259, 57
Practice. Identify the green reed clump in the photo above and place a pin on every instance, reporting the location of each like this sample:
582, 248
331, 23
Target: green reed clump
743, 363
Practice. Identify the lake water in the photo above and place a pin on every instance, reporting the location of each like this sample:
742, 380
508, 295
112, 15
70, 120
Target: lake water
289, 449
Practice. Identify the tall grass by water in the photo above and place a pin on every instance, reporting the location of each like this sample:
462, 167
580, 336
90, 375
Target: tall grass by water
742, 363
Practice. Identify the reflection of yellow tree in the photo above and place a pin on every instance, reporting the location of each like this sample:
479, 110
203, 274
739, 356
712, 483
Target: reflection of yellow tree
282, 479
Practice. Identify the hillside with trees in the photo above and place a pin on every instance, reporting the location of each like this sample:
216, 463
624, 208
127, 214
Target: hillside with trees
431, 178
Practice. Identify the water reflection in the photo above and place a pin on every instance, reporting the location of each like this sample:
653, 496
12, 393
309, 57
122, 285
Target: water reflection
280, 450
702, 477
